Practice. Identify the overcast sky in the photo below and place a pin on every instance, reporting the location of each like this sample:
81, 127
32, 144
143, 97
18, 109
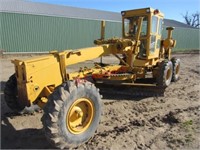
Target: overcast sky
173, 9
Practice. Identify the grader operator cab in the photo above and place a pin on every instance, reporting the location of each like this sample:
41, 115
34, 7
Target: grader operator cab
150, 35
72, 104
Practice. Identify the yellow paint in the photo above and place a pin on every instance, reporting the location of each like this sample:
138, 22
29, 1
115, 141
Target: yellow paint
34, 74
80, 115
37, 77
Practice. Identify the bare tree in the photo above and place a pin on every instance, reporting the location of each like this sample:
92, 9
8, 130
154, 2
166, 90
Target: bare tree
192, 20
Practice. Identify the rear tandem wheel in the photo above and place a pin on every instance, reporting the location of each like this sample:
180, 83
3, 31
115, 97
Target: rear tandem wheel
164, 75
176, 69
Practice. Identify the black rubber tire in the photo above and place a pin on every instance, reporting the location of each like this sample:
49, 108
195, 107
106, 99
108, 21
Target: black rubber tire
57, 107
164, 74
11, 98
10, 94
176, 69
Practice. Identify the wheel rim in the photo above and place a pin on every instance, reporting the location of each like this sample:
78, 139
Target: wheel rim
80, 116
177, 69
169, 73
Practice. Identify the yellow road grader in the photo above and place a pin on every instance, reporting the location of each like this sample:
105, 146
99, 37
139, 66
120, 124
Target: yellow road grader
71, 101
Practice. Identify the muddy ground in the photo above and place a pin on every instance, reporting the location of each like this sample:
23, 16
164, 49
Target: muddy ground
171, 121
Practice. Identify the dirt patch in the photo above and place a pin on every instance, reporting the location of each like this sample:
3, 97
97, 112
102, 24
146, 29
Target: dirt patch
168, 122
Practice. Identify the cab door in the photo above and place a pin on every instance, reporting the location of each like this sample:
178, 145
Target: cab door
155, 37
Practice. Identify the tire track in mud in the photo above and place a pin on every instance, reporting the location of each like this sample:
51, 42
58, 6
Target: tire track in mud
165, 121
171, 119
168, 122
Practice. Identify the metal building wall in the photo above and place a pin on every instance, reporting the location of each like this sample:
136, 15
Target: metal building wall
186, 38
36, 33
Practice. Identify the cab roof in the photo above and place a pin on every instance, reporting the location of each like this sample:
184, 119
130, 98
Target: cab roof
142, 11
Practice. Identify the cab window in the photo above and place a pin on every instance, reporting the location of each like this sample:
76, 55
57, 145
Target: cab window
131, 26
160, 26
154, 24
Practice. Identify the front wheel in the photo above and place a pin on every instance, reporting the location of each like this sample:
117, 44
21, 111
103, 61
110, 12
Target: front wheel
11, 98
11, 94
72, 114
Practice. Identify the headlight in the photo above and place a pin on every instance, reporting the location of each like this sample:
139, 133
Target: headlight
148, 10
123, 13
